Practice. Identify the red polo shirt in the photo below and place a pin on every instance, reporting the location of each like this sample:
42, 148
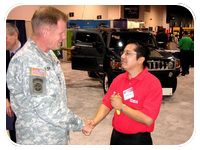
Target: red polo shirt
145, 96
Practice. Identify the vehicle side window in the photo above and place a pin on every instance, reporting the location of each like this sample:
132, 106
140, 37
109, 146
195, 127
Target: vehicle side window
151, 41
105, 36
86, 38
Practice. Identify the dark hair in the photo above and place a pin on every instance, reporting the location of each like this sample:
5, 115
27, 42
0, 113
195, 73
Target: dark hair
142, 50
48, 16
185, 32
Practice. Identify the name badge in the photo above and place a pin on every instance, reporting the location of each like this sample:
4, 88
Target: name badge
128, 93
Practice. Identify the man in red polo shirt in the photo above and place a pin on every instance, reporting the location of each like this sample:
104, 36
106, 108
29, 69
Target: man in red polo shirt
136, 95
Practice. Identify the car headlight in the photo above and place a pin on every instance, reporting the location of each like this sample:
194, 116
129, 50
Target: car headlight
171, 65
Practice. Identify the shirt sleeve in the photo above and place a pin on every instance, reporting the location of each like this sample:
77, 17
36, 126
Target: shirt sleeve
180, 43
153, 100
49, 108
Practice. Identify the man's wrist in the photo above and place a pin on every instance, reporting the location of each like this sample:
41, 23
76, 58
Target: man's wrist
122, 108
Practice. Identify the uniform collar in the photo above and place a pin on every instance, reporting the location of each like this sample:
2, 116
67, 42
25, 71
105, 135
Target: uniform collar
140, 76
45, 56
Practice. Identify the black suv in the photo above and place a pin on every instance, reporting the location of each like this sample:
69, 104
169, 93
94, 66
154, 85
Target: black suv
98, 52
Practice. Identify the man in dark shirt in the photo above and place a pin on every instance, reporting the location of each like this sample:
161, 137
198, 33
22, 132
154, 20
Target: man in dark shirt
12, 46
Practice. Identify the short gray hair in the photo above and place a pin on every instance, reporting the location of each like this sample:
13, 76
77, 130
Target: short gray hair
11, 29
47, 16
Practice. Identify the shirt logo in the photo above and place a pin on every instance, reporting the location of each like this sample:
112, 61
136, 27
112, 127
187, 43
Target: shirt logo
134, 101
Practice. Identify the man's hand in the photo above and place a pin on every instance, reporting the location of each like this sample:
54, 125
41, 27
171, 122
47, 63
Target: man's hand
116, 101
73, 47
87, 129
9, 110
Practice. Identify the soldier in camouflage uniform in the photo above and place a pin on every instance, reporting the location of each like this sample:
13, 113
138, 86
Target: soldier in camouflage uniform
38, 90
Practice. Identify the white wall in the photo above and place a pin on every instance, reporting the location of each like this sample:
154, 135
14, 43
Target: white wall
114, 12
156, 17
25, 12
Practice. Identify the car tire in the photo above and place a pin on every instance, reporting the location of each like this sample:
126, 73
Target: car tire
92, 74
106, 83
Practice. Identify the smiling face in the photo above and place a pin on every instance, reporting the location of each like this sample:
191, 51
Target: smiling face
55, 34
129, 58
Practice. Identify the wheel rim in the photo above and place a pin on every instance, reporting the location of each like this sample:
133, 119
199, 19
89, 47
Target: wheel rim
106, 83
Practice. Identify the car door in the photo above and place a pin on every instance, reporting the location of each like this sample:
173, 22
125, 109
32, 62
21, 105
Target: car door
89, 52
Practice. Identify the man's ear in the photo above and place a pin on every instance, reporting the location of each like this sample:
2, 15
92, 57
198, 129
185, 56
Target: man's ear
141, 60
16, 35
45, 31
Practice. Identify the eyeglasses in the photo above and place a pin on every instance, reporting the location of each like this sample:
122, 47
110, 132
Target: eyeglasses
128, 53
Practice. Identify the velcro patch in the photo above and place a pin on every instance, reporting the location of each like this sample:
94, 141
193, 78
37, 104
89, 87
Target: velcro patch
38, 72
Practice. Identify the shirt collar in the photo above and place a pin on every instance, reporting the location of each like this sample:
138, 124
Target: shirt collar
16, 50
140, 76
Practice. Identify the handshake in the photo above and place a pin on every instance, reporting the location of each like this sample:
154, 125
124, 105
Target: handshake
89, 126
117, 104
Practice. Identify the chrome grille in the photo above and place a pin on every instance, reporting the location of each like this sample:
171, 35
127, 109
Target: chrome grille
160, 65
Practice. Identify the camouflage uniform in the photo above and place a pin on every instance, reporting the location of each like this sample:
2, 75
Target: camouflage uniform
38, 97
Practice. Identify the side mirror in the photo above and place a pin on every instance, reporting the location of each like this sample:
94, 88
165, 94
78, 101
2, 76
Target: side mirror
112, 52
97, 44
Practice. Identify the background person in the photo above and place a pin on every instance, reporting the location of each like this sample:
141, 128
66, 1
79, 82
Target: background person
12, 46
139, 96
185, 44
37, 85
192, 49
162, 39
58, 52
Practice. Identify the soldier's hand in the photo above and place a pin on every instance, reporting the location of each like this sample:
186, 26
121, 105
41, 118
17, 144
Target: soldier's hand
87, 129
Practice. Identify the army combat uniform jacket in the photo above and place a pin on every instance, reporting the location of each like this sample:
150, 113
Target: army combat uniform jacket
38, 97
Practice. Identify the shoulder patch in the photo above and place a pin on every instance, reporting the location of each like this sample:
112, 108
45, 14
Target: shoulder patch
38, 72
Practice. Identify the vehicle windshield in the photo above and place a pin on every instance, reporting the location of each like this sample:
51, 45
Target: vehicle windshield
120, 39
